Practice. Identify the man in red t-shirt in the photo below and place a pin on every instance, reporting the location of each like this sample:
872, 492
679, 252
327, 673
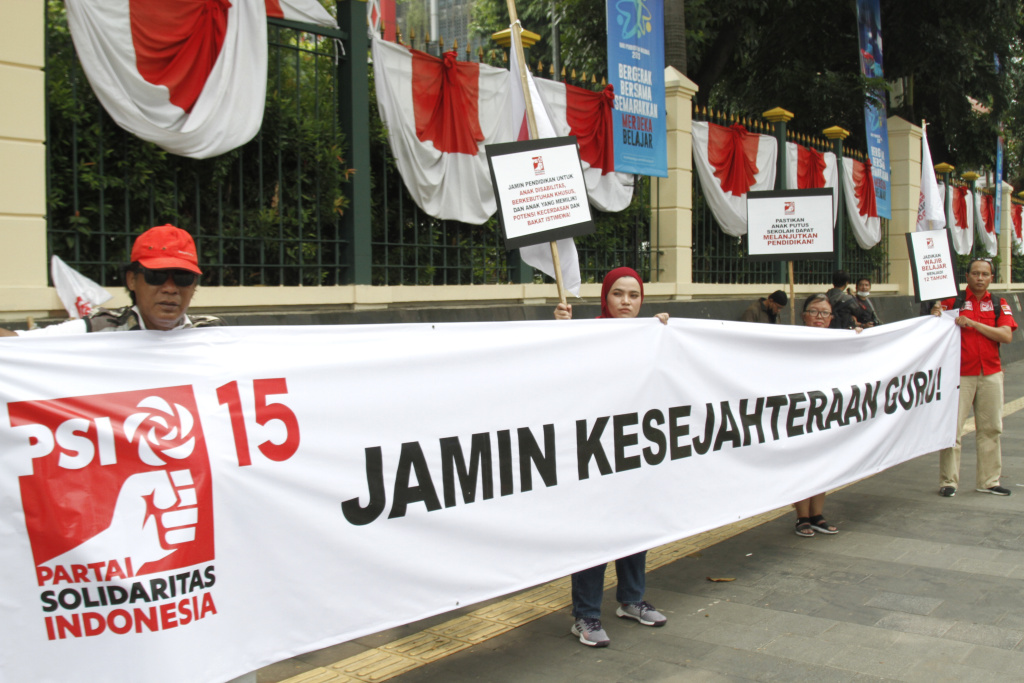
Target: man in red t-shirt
982, 329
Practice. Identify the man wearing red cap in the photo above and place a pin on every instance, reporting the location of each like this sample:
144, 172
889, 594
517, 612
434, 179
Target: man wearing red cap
161, 280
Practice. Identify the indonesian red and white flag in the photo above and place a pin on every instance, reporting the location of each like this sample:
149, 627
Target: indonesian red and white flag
187, 75
440, 113
959, 203
1015, 220
985, 220
807, 168
930, 215
79, 294
539, 255
730, 162
381, 19
859, 195
308, 11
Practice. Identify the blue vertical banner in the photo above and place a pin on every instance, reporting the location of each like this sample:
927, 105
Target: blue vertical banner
998, 199
999, 167
636, 70
869, 30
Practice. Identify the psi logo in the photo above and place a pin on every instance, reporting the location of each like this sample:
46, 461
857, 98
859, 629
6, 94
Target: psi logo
119, 479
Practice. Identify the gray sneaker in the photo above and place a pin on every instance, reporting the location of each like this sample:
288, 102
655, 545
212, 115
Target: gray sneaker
590, 632
997, 490
642, 611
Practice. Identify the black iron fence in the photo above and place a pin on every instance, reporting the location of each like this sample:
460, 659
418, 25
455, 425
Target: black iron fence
269, 213
720, 258
264, 214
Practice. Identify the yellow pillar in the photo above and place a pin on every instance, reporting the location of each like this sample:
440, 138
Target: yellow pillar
672, 197
905, 186
23, 263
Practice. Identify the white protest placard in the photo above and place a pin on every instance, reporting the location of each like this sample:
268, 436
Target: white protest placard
933, 264
542, 195
193, 505
789, 225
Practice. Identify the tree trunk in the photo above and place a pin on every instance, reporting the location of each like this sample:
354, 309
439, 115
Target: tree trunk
675, 34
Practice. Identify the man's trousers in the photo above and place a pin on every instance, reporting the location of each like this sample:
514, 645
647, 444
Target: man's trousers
985, 394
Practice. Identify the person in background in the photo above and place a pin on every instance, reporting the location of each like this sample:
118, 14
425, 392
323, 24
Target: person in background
983, 327
809, 513
841, 301
622, 293
864, 314
766, 310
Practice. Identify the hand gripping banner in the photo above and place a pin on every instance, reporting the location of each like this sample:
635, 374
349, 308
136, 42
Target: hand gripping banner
192, 505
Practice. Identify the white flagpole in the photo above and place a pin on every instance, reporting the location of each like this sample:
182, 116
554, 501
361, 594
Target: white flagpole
516, 30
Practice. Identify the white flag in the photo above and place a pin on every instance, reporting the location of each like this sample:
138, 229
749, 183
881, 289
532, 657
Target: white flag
539, 255
78, 293
930, 215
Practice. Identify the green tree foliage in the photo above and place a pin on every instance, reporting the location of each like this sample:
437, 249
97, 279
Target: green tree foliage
752, 55
262, 214
581, 27
941, 52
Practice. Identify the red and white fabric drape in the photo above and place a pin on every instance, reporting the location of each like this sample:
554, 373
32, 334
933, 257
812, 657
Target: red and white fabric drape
959, 203
859, 196
440, 113
187, 75
588, 116
730, 162
930, 215
1015, 220
807, 168
308, 11
985, 221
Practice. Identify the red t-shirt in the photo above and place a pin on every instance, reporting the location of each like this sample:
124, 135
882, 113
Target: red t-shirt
979, 355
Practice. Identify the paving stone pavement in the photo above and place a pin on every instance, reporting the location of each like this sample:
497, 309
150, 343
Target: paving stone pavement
915, 587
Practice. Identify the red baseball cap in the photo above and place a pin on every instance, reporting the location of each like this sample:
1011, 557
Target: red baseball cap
166, 246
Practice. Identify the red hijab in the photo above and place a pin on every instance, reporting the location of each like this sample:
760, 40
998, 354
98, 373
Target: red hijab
609, 280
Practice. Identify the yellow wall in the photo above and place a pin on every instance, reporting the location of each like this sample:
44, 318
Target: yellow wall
22, 158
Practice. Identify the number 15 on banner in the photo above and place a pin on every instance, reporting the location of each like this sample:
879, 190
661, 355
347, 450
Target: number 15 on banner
266, 395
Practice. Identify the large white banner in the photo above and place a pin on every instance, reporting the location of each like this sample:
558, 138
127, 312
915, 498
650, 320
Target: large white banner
189, 506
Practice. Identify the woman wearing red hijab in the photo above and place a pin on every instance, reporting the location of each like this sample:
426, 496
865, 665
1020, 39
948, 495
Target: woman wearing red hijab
621, 296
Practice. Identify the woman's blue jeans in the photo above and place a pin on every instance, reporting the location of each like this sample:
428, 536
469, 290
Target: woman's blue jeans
588, 585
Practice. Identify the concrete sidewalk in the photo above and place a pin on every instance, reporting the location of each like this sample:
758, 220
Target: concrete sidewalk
915, 587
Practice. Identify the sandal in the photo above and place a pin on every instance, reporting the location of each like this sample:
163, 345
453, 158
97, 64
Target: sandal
818, 523
803, 528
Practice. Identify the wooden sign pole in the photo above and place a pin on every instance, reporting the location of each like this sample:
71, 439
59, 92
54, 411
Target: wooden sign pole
531, 121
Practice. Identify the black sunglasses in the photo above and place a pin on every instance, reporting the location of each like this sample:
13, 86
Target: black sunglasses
182, 278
